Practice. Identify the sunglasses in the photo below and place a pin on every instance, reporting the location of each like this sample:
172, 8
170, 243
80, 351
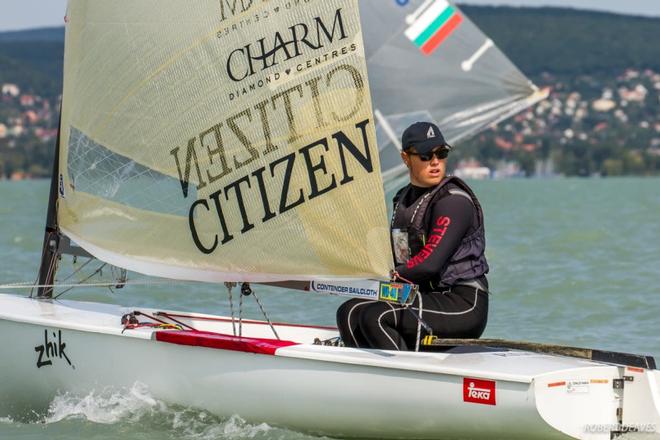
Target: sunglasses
425, 157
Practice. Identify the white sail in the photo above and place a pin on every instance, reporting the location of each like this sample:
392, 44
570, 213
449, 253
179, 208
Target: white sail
203, 140
428, 61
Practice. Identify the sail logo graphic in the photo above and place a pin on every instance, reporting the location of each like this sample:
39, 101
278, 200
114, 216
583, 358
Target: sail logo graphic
231, 8
479, 391
52, 350
285, 45
344, 290
430, 134
431, 24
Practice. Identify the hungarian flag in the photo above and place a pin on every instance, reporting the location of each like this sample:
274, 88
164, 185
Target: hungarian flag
433, 26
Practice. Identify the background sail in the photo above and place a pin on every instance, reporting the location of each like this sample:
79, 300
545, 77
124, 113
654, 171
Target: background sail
221, 141
427, 60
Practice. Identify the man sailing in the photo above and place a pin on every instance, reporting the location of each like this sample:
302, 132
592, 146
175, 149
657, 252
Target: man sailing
438, 241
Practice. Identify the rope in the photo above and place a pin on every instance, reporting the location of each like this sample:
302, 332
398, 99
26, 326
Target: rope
31, 285
230, 286
79, 269
43, 255
166, 315
272, 327
419, 323
240, 313
97, 271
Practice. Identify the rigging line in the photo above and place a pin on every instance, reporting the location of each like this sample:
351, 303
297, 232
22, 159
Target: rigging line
229, 286
167, 315
43, 255
29, 285
97, 271
79, 269
240, 315
52, 265
139, 313
272, 327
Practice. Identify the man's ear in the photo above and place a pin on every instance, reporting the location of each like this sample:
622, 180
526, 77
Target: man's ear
406, 158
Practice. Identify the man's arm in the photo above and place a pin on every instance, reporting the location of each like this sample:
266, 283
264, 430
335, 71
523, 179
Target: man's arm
452, 217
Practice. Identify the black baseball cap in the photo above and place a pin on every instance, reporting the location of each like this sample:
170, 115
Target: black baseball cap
424, 137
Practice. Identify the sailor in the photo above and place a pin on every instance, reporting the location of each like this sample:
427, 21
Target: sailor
438, 241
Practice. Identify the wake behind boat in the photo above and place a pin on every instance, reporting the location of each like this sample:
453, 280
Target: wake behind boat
293, 382
235, 145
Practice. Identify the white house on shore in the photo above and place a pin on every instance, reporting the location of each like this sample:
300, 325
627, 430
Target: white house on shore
11, 90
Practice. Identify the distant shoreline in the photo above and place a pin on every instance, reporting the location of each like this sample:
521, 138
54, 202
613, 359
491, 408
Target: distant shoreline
558, 177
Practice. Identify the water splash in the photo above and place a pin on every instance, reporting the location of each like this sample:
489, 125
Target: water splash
6, 420
136, 410
107, 407
203, 427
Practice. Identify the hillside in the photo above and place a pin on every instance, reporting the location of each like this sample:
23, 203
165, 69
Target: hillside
588, 59
52, 34
559, 41
569, 41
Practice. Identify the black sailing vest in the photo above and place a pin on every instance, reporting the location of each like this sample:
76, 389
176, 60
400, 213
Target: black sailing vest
468, 261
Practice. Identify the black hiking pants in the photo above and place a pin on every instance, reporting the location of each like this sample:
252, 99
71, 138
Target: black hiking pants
458, 312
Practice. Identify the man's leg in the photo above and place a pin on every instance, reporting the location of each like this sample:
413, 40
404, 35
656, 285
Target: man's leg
348, 322
379, 322
461, 312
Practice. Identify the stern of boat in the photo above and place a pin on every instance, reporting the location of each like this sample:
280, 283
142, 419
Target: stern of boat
601, 402
641, 401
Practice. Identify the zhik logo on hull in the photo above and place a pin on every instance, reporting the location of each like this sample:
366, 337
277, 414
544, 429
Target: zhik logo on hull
52, 349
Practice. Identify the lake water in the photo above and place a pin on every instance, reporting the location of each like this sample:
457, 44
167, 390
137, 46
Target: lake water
572, 262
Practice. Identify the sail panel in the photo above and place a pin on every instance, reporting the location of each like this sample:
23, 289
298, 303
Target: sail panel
215, 142
463, 82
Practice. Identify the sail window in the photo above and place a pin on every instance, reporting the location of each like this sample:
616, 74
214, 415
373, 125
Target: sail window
96, 170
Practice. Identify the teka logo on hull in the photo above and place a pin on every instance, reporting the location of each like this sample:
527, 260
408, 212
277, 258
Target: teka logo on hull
479, 391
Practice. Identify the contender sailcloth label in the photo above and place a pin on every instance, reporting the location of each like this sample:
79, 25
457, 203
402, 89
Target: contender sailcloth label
432, 27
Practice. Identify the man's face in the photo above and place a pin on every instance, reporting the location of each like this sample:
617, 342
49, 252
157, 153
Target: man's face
426, 173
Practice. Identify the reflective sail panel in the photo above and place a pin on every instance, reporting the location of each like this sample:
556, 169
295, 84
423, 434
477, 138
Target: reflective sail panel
427, 60
222, 141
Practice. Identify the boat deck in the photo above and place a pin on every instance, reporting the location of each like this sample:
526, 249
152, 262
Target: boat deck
297, 341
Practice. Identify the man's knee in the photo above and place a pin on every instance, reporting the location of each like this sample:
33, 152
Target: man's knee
345, 309
376, 313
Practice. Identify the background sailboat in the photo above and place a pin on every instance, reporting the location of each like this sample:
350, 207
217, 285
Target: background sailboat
427, 60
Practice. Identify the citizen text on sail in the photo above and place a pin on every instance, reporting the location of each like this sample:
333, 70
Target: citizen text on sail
276, 189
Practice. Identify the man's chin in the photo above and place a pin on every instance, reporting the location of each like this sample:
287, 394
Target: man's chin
433, 180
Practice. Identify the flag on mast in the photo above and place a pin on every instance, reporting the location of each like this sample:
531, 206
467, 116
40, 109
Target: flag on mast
432, 27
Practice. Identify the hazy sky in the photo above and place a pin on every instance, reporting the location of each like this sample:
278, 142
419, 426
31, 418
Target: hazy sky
24, 14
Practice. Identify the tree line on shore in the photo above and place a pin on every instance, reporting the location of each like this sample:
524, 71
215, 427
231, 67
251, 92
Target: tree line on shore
589, 59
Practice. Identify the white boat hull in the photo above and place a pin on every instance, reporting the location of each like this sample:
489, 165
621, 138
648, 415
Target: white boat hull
332, 391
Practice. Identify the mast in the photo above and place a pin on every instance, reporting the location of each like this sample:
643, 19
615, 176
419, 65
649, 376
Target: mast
49, 254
